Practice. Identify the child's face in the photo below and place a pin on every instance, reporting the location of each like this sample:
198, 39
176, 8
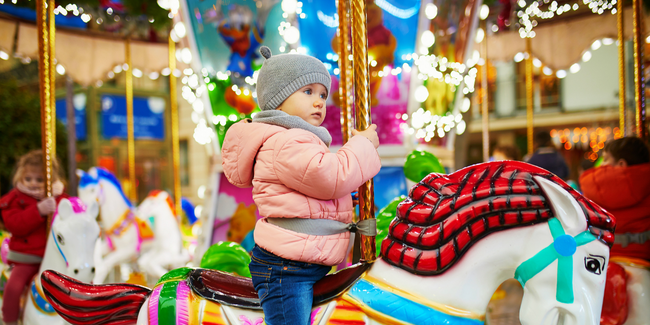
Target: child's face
498, 155
308, 103
33, 178
609, 160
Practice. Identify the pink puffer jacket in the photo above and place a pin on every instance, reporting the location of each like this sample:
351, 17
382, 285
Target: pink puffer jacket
294, 175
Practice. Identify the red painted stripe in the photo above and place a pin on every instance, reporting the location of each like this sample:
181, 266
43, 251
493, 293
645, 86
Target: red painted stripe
346, 322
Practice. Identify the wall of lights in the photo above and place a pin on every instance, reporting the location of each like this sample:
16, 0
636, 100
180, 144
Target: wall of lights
592, 140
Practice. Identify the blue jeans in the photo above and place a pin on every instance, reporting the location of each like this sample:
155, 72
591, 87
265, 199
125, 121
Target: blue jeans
285, 287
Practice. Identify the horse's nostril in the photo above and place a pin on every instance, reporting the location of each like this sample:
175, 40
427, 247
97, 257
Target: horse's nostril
76, 271
92, 270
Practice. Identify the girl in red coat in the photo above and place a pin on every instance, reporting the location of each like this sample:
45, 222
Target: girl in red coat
24, 211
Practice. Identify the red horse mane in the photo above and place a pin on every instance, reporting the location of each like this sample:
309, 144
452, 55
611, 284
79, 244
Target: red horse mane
155, 193
445, 215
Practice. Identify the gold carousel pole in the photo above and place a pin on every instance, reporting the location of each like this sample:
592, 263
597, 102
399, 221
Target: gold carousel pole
362, 106
174, 122
639, 80
51, 42
345, 83
529, 94
621, 68
45, 85
484, 106
130, 142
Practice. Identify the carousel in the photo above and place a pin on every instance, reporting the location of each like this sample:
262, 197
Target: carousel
442, 243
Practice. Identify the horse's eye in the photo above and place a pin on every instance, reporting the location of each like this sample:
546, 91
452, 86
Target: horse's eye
59, 238
594, 264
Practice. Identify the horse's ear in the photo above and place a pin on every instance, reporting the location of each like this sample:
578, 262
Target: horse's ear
93, 172
65, 209
80, 173
163, 195
93, 210
565, 207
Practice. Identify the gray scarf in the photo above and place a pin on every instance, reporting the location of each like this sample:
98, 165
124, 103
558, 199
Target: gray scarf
280, 118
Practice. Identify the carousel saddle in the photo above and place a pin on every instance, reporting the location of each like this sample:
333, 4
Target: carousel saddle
227, 289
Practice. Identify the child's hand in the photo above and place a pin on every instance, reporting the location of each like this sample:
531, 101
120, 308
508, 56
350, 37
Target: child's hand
370, 133
46, 206
355, 199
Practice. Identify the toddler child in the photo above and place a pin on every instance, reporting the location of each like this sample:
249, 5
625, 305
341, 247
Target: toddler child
301, 189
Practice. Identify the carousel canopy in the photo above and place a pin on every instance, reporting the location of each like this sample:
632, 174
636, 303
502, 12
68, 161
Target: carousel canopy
88, 52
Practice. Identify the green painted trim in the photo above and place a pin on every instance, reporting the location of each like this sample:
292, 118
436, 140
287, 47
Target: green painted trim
167, 304
175, 275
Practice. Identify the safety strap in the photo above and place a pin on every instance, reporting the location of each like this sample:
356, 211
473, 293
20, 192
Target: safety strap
23, 258
630, 237
325, 227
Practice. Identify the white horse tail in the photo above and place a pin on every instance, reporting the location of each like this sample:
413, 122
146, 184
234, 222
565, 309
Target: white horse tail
84, 304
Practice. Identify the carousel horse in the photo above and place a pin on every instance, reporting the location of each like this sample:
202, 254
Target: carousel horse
69, 250
167, 251
455, 239
124, 233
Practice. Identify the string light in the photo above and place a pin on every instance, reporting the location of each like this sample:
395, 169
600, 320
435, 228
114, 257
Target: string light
528, 15
591, 140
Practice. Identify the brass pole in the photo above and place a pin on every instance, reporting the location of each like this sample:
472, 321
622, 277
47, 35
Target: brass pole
345, 83
621, 67
529, 94
484, 106
130, 142
362, 107
45, 94
639, 80
174, 121
51, 48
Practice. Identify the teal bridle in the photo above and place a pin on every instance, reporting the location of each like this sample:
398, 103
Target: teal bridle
562, 249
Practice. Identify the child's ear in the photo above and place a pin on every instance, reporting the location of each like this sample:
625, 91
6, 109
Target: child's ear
621, 163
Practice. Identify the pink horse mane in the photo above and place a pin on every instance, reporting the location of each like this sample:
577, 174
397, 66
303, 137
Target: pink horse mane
445, 215
77, 206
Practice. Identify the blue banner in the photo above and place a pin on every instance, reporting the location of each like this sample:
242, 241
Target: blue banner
29, 14
79, 103
148, 118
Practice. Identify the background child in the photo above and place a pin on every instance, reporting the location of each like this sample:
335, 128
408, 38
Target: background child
297, 183
24, 211
546, 156
621, 185
506, 152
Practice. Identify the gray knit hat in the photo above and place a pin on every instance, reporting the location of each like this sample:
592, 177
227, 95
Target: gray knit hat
282, 75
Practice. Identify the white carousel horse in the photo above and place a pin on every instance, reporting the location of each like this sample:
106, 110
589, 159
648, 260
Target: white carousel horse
125, 234
167, 251
69, 250
454, 240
